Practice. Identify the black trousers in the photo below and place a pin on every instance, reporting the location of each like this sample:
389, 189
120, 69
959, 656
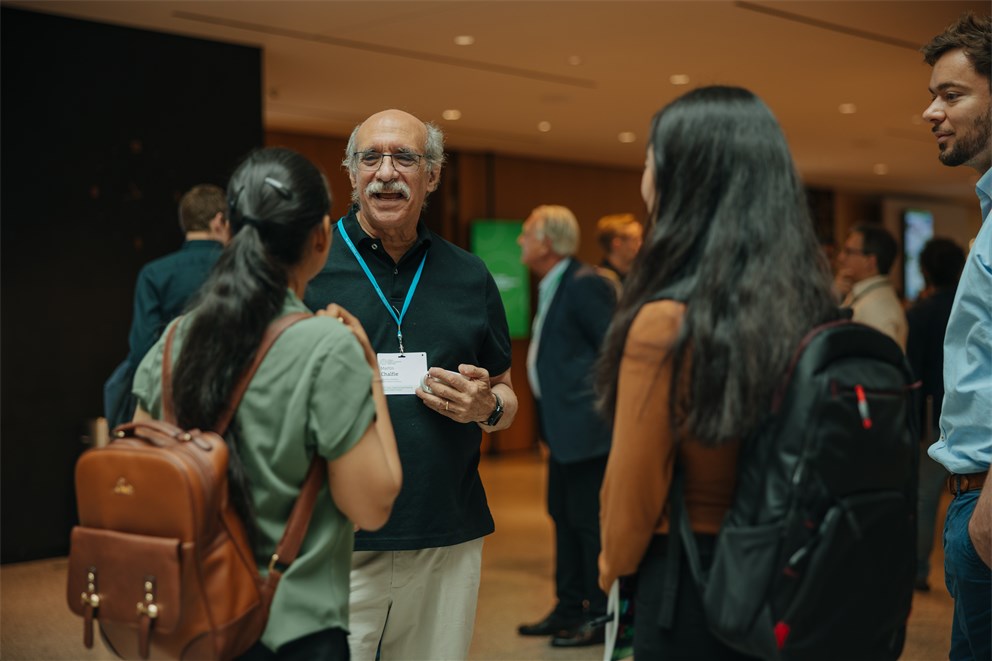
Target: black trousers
573, 503
689, 637
326, 645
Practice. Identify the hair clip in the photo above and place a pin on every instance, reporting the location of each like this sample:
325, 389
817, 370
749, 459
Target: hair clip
233, 197
280, 187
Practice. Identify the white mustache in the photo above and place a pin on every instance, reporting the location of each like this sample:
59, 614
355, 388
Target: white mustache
378, 187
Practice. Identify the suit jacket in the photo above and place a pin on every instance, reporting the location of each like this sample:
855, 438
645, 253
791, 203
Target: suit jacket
571, 337
925, 350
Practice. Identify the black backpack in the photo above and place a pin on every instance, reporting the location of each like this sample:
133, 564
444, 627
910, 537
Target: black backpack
816, 556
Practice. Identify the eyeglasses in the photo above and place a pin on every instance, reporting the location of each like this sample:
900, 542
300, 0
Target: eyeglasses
371, 161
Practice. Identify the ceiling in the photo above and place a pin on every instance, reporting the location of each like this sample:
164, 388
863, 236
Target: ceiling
592, 70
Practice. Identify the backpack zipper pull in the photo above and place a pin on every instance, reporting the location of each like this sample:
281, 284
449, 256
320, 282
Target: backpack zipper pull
863, 407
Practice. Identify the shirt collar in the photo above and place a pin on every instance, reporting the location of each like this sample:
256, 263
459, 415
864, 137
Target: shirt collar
368, 243
984, 190
200, 244
553, 275
861, 286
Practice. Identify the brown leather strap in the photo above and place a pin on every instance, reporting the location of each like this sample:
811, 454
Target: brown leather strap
274, 330
299, 519
144, 635
168, 410
967, 482
88, 625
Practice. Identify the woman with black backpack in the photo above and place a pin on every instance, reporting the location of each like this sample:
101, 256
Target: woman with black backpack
729, 280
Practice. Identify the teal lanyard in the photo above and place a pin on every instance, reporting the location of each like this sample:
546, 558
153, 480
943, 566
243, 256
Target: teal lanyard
378, 290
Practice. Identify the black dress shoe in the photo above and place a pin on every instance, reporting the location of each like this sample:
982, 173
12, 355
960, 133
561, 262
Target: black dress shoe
551, 625
590, 633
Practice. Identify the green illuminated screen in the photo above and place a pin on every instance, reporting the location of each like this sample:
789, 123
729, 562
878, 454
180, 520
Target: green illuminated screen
495, 241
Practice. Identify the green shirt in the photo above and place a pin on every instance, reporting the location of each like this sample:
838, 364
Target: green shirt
311, 394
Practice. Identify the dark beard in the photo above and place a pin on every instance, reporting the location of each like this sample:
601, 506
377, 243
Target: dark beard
971, 145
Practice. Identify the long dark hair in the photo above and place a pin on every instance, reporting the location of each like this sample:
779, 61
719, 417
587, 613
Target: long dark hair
729, 234
275, 198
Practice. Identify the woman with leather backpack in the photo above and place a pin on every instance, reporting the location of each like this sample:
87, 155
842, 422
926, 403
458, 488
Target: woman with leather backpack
316, 393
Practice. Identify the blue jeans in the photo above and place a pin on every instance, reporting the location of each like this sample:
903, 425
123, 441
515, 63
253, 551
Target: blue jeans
969, 581
933, 483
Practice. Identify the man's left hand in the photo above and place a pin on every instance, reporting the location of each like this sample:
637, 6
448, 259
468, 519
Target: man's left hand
464, 396
980, 526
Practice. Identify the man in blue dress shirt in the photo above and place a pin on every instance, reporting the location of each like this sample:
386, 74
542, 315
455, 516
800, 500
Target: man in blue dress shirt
960, 118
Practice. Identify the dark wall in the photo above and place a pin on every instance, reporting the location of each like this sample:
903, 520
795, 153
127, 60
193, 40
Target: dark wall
103, 128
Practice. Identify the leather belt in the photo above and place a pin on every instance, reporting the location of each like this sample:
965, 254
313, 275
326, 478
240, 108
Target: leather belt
969, 482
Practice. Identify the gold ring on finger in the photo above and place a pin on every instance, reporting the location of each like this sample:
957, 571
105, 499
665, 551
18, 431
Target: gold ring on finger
445, 405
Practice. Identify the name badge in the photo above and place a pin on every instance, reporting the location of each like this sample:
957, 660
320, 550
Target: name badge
401, 372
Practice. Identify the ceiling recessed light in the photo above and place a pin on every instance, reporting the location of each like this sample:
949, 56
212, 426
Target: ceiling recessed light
847, 108
544, 127
627, 136
575, 60
880, 168
464, 40
679, 79
452, 114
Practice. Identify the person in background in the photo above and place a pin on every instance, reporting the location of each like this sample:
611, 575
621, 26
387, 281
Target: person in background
573, 312
941, 262
620, 236
165, 286
863, 275
689, 365
960, 116
317, 393
415, 582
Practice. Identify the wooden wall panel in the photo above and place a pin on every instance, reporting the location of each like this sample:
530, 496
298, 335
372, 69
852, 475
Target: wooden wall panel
589, 191
326, 153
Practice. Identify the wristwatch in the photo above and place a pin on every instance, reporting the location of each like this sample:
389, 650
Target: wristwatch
497, 413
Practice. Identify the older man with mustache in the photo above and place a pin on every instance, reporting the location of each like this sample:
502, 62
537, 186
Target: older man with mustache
434, 315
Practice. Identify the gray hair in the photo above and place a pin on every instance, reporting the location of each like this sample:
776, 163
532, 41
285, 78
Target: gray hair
433, 148
557, 224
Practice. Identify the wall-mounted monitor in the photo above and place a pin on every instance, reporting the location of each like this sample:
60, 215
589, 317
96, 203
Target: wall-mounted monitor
495, 241
917, 229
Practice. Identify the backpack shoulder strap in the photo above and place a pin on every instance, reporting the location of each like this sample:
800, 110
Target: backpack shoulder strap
274, 330
679, 290
296, 526
680, 539
299, 518
168, 410
670, 589
272, 333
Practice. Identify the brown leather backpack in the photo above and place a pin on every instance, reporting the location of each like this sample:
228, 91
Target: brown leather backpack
160, 558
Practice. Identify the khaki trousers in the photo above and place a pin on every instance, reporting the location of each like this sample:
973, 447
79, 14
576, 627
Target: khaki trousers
414, 605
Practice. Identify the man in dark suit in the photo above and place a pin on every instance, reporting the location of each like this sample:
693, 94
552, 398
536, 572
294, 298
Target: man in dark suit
941, 262
575, 304
166, 285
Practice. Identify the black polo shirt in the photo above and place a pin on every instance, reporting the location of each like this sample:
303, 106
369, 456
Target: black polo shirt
456, 316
